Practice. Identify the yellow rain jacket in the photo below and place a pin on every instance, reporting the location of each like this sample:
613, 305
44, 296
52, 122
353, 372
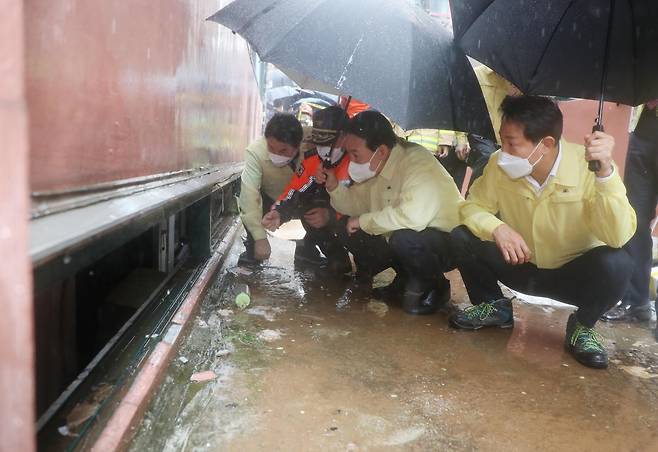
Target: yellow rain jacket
573, 214
259, 173
431, 139
413, 191
495, 89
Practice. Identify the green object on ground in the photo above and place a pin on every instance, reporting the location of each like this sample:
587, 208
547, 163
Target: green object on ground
243, 299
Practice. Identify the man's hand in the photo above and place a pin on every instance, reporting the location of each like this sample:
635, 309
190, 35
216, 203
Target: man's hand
327, 177
443, 151
271, 221
318, 217
511, 245
599, 146
353, 225
262, 249
462, 151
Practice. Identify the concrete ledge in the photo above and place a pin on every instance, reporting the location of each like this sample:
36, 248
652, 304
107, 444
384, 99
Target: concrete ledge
118, 431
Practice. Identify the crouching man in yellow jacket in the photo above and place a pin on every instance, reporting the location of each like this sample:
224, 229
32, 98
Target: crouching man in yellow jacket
543, 224
407, 201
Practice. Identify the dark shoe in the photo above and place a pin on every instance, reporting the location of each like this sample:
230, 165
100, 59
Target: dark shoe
492, 313
625, 312
339, 265
356, 288
585, 345
306, 254
391, 292
418, 302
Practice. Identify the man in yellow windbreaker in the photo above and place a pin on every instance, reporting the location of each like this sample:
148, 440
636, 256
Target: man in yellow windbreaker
542, 224
407, 200
494, 89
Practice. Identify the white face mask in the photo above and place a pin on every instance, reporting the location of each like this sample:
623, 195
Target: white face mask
517, 167
361, 172
279, 160
324, 151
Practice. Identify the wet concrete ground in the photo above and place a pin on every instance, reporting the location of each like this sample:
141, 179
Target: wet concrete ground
310, 367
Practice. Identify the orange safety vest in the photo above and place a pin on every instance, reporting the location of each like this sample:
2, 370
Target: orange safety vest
303, 184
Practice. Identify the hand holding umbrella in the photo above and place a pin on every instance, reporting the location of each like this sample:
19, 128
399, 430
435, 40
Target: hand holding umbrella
599, 147
603, 50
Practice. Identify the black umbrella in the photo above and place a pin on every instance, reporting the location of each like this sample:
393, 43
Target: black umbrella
591, 49
389, 53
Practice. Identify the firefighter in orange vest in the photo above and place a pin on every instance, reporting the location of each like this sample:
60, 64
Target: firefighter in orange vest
304, 198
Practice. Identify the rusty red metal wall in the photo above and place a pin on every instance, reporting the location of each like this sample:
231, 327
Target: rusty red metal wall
579, 116
119, 89
16, 326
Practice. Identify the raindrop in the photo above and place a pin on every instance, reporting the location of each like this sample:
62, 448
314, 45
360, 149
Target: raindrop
67, 260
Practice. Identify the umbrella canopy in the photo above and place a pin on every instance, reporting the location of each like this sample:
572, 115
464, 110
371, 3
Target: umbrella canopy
388, 53
560, 47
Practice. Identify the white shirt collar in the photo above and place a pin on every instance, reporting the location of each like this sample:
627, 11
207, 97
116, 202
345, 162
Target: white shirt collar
540, 187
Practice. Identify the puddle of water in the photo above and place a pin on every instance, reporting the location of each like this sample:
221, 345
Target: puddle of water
346, 373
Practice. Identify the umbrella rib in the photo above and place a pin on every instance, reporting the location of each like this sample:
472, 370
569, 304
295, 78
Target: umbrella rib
475, 19
553, 33
258, 15
342, 78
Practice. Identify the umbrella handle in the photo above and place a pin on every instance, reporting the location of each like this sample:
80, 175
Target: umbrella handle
595, 165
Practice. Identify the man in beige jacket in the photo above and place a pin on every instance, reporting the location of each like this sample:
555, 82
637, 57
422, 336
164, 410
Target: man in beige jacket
405, 198
270, 163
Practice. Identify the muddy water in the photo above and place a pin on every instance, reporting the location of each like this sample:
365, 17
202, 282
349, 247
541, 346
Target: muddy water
312, 366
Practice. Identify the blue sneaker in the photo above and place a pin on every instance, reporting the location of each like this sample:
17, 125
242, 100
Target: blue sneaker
492, 313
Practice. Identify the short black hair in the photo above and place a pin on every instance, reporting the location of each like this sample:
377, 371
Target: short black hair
373, 127
540, 116
285, 128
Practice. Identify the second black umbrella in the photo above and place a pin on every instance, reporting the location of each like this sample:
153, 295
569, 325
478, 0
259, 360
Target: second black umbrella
388, 53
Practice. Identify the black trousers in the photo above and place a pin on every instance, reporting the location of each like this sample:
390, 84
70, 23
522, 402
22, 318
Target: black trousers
421, 257
455, 167
481, 150
641, 180
371, 252
323, 238
593, 282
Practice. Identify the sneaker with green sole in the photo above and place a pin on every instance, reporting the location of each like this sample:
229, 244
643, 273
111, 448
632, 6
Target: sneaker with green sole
498, 313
